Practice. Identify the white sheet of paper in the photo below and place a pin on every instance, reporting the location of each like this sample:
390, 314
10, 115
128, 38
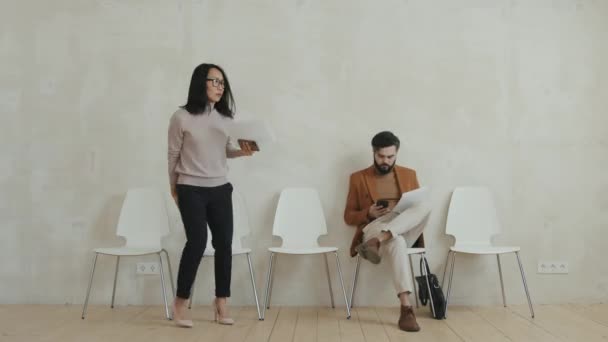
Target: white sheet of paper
256, 130
411, 198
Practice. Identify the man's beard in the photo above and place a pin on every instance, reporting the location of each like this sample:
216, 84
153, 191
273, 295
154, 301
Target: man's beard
384, 169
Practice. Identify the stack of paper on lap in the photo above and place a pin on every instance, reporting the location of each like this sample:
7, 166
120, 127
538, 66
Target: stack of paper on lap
411, 198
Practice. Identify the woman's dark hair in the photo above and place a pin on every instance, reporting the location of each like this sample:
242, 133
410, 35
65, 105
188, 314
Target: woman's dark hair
197, 94
385, 139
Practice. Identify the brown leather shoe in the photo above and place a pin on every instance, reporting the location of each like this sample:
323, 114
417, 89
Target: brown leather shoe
357, 239
407, 320
369, 250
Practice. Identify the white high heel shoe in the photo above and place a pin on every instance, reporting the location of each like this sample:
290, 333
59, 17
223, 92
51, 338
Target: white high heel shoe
183, 323
218, 318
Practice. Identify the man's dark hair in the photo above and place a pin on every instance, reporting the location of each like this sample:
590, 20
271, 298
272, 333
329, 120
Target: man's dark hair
385, 139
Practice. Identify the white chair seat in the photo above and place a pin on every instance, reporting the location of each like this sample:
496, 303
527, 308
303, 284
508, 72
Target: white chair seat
473, 222
299, 221
416, 250
209, 252
473, 249
127, 251
143, 222
302, 251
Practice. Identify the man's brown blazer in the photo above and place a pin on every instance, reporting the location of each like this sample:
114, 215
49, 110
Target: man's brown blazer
362, 194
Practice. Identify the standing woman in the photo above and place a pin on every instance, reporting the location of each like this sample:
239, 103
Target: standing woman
198, 148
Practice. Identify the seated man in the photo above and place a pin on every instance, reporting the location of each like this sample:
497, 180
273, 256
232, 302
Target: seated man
381, 233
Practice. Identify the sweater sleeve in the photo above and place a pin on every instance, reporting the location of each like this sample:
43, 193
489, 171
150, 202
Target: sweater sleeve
232, 145
175, 142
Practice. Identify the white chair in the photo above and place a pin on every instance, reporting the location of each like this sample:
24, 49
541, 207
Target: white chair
410, 251
299, 221
143, 222
473, 222
241, 230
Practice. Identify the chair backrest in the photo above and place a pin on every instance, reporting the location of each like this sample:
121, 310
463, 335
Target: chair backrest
299, 219
143, 218
472, 216
241, 222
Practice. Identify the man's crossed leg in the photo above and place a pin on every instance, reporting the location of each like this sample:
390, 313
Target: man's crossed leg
389, 237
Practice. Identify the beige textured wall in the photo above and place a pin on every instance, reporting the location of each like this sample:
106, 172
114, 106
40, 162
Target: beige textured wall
508, 94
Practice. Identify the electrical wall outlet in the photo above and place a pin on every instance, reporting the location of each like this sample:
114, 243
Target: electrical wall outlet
148, 268
553, 267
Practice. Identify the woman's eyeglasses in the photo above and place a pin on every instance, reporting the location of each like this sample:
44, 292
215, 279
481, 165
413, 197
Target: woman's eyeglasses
217, 82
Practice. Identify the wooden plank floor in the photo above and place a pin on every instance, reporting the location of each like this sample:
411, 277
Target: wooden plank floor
568, 322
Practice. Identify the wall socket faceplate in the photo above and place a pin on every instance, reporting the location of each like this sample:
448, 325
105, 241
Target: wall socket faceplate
553, 267
148, 268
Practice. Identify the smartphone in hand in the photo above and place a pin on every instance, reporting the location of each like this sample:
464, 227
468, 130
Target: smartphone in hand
382, 203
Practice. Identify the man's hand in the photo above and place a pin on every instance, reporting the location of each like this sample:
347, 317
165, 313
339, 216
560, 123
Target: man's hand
376, 211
